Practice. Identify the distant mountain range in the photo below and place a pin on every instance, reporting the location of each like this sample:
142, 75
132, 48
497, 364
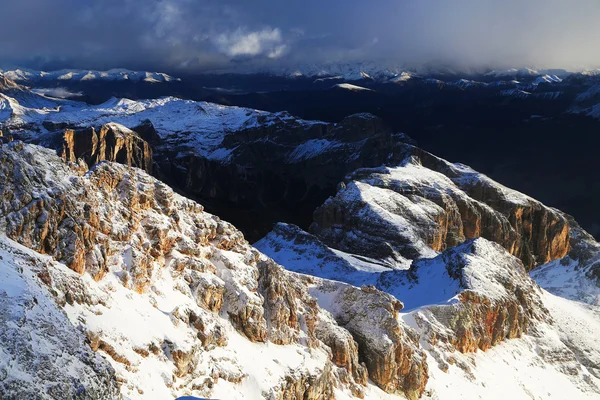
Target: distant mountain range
29, 76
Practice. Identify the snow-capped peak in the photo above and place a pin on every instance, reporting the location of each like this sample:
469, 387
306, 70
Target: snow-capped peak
76, 75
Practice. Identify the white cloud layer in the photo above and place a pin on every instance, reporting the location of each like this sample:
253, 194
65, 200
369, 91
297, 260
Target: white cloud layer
240, 42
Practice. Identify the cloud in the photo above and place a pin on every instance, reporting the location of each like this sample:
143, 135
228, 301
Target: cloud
200, 35
267, 42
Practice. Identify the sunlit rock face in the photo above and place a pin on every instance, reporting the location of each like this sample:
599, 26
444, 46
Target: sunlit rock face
402, 213
112, 142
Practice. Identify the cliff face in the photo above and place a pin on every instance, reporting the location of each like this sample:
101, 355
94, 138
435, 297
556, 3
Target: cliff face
112, 142
397, 364
178, 302
280, 168
428, 204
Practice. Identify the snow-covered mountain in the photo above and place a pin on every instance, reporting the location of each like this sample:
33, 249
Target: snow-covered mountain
173, 298
29, 76
177, 303
418, 278
389, 227
384, 71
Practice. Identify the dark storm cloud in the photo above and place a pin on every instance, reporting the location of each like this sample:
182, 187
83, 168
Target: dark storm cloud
217, 34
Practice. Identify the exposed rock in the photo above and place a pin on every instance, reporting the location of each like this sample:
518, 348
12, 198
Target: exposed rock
7, 84
308, 387
389, 349
344, 349
190, 288
496, 298
402, 213
112, 142
147, 132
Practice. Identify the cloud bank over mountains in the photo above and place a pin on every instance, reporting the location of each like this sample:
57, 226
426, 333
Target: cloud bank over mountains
204, 35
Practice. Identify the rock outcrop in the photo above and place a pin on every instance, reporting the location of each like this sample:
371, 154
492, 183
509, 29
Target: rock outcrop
112, 142
496, 298
7, 84
178, 302
397, 364
402, 213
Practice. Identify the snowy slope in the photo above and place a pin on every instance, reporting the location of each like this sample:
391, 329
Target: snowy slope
557, 360
197, 127
352, 88
41, 353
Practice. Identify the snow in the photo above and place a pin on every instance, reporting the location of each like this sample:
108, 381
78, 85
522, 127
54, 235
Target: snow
518, 93
39, 348
127, 320
469, 176
312, 148
466, 83
59, 93
198, 127
302, 252
402, 77
354, 88
547, 363
568, 280
130, 320
511, 370
28, 75
547, 79
354, 71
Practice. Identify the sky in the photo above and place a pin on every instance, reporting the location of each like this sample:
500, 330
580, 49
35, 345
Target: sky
209, 35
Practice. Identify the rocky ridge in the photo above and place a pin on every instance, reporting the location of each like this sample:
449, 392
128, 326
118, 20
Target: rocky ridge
455, 248
427, 204
112, 142
421, 208
178, 302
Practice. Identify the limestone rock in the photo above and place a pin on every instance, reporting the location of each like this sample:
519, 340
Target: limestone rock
112, 142
402, 213
389, 349
160, 287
